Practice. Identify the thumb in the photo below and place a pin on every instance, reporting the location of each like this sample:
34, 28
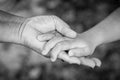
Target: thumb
92, 62
72, 60
64, 28
79, 52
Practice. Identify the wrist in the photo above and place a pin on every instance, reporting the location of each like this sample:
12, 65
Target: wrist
93, 36
10, 29
16, 30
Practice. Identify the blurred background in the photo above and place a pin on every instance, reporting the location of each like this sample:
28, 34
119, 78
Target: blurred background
20, 63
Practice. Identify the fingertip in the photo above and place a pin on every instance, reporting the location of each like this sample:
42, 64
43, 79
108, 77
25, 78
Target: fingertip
74, 34
71, 33
87, 62
70, 60
39, 37
64, 28
97, 61
70, 53
54, 53
53, 59
92, 66
46, 48
44, 52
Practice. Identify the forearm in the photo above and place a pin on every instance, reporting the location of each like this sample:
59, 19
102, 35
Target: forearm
106, 31
9, 27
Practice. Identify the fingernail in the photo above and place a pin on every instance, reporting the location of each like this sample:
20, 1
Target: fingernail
53, 60
70, 54
39, 38
43, 52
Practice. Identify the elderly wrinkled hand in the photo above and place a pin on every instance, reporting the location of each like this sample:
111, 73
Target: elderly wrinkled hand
45, 27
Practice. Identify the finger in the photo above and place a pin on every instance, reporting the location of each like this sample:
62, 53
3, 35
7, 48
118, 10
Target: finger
97, 62
45, 37
50, 44
79, 52
63, 45
65, 57
64, 28
87, 62
36, 45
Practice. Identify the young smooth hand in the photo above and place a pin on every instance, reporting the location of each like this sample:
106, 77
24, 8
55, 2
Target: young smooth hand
79, 48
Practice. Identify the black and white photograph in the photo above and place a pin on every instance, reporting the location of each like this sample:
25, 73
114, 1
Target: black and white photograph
59, 39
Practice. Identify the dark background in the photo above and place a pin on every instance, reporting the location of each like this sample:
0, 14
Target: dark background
20, 63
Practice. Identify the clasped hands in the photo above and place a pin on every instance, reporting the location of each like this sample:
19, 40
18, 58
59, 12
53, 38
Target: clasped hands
52, 37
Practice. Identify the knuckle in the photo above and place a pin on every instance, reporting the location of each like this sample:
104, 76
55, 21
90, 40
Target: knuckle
89, 53
57, 38
59, 44
54, 17
62, 43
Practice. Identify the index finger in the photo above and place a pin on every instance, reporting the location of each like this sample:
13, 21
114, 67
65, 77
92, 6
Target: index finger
64, 28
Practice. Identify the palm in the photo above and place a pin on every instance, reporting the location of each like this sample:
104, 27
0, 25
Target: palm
34, 27
30, 39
